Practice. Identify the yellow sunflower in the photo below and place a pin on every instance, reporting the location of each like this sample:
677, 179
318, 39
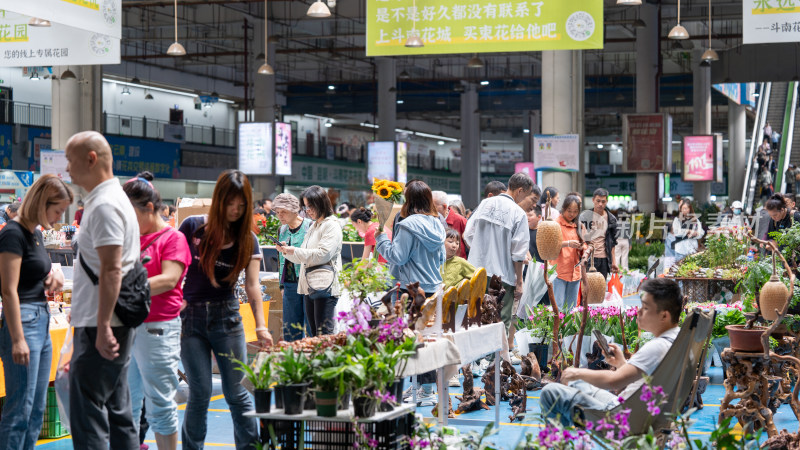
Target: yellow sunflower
378, 184
394, 185
384, 192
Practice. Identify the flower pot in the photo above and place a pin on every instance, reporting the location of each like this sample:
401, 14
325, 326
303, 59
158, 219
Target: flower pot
344, 401
392, 389
279, 396
326, 403
374, 323
294, 396
744, 340
263, 399
363, 406
398, 386
541, 351
309, 404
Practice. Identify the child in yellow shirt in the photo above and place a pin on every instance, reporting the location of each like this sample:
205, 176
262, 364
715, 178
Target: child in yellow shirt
455, 268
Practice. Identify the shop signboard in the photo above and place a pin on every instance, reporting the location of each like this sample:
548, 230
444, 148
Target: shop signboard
768, 21
556, 152
647, 142
615, 185
698, 158
479, 26
55, 162
16, 182
255, 148
96, 16
58, 45
283, 148
132, 156
6, 135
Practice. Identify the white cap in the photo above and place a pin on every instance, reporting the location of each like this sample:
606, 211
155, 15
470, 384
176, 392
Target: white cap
736, 204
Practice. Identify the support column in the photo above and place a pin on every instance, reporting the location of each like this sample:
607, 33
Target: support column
702, 118
470, 147
557, 108
263, 104
737, 156
647, 53
387, 99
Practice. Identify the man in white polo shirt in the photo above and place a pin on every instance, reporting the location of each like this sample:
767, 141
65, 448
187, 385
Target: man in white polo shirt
108, 242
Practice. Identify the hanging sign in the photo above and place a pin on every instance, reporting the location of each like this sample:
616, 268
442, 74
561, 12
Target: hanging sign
698, 158
55, 162
647, 142
767, 21
479, 26
22, 45
556, 152
255, 148
96, 16
283, 148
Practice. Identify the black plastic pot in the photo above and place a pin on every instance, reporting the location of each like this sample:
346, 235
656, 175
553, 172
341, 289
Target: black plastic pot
392, 388
279, 396
344, 401
263, 400
541, 351
364, 407
398, 386
294, 396
310, 403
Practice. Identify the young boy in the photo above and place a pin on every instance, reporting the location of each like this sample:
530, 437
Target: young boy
455, 268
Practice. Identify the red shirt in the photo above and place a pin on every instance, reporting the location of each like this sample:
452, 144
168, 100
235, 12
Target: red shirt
369, 239
457, 222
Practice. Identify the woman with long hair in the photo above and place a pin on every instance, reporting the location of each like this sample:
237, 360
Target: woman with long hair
222, 246
780, 214
156, 352
687, 231
322, 245
25, 275
568, 280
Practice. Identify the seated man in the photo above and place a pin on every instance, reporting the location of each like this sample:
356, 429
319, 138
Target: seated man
595, 389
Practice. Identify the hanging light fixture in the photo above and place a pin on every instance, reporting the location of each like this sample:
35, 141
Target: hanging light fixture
37, 22
265, 68
126, 91
319, 10
404, 75
475, 62
149, 96
413, 40
629, 2
35, 76
678, 31
68, 75
710, 55
176, 49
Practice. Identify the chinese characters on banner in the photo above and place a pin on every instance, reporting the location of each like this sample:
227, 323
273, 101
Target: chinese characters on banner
556, 152
132, 156
483, 26
647, 142
58, 45
698, 158
283, 148
96, 16
255, 148
765, 21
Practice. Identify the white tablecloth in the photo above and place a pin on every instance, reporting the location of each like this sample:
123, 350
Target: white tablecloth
439, 354
477, 342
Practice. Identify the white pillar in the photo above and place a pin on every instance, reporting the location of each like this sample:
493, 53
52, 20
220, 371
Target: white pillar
558, 101
387, 99
263, 104
737, 156
470, 147
702, 117
647, 52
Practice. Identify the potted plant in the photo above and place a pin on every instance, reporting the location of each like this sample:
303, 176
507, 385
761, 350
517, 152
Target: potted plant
395, 354
293, 373
362, 278
261, 378
333, 372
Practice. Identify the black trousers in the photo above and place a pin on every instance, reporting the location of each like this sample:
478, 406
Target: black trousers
319, 315
603, 265
99, 397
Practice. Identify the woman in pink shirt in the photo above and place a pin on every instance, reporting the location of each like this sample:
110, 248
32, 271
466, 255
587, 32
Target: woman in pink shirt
362, 221
153, 373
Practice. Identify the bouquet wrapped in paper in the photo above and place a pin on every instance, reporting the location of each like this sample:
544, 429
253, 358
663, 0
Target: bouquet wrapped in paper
388, 200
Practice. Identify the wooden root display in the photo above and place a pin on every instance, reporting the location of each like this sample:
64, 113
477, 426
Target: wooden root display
584, 315
450, 413
783, 441
471, 398
557, 352
493, 302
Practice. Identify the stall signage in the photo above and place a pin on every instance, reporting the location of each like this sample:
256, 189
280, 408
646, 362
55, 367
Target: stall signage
255, 148
478, 26
96, 16
556, 152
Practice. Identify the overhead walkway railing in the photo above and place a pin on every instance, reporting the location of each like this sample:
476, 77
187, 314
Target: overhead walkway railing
787, 134
748, 191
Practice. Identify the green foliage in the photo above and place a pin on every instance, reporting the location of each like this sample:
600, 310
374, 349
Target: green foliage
293, 367
350, 234
539, 322
788, 241
722, 250
269, 226
687, 269
335, 370
261, 378
637, 257
362, 278
732, 317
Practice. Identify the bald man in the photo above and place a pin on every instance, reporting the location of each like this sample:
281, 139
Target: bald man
108, 243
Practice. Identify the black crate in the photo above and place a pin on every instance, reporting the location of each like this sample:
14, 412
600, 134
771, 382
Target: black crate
391, 434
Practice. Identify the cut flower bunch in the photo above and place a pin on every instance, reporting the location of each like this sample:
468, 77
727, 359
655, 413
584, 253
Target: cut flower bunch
391, 191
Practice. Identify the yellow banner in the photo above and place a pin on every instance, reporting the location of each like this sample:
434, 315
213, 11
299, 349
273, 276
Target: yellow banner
480, 26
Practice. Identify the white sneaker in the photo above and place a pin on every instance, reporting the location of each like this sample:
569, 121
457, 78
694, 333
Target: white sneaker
407, 393
516, 360
484, 365
426, 398
454, 381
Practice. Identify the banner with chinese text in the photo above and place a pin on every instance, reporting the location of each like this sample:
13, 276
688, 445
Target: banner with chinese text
766, 21
558, 152
97, 16
479, 26
698, 158
647, 142
58, 45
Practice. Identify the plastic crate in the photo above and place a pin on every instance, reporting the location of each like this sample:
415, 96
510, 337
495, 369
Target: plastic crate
51, 426
391, 434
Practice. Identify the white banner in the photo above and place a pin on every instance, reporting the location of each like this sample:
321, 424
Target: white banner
97, 16
770, 21
557, 152
255, 148
58, 45
55, 162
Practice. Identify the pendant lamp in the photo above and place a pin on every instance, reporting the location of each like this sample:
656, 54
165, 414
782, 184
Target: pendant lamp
710, 55
319, 10
678, 31
413, 40
265, 68
176, 49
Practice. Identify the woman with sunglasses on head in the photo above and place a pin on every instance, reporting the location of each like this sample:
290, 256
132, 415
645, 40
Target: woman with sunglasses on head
25, 275
222, 245
156, 352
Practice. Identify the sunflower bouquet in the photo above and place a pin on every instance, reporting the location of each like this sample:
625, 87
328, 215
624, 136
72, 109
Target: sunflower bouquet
390, 191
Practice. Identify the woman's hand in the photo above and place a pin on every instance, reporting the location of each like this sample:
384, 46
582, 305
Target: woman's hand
20, 353
264, 338
573, 244
54, 280
285, 249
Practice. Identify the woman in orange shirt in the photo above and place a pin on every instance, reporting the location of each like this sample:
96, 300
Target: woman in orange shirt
568, 281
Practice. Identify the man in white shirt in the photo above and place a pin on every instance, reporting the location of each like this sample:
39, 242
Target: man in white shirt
100, 404
592, 389
497, 235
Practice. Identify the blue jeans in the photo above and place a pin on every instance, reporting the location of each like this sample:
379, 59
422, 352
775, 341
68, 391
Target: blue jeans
153, 374
293, 313
566, 293
559, 401
26, 386
215, 327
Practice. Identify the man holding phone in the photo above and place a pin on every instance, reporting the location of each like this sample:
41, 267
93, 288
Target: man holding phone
596, 389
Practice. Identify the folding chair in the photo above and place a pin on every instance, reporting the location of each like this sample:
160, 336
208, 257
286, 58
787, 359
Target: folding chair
676, 374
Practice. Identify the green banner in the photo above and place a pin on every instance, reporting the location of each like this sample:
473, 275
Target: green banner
480, 26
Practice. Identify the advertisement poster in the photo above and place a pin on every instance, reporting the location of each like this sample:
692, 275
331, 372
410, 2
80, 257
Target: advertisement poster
255, 148
58, 45
556, 152
698, 158
283, 149
766, 21
647, 140
96, 16
478, 26
402, 162
380, 161
525, 167
55, 162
